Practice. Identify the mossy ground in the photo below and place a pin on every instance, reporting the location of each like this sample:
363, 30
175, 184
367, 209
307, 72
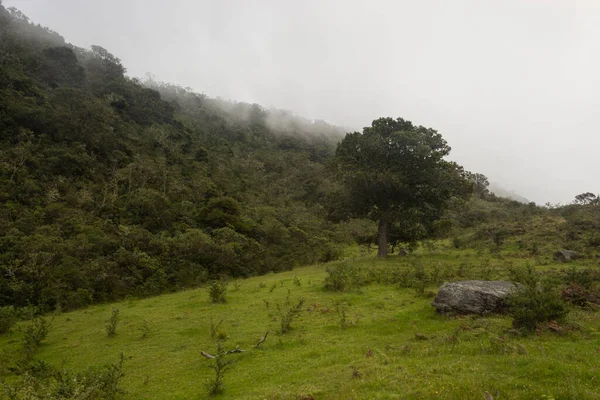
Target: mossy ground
394, 344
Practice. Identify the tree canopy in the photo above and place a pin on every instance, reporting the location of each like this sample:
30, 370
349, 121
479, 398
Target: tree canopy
395, 171
110, 187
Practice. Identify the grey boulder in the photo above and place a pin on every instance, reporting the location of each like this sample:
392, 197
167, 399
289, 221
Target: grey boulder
473, 297
565, 255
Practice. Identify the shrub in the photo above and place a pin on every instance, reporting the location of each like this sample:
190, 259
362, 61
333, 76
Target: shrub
341, 309
216, 291
583, 277
111, 326
220, 365
215, 385
33, 335
459, 242
288, 312
343, 277
536, 300
79, 299
8, 317
420, 278
43, 381
579, 295
144, 329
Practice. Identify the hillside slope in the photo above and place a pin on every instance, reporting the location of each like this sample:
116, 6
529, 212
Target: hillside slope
109, 188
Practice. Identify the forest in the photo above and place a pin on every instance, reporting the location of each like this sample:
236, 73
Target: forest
111, 186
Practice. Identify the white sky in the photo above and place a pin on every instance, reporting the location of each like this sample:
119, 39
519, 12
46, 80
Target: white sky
513, 85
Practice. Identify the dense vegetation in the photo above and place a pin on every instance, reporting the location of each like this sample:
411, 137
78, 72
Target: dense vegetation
109, 188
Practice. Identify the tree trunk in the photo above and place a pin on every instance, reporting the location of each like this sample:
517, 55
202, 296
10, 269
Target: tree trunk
382, 251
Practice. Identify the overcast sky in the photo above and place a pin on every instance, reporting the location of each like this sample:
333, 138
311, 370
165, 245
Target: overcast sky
513, 85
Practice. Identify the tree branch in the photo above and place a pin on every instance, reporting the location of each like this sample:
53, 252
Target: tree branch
262, 340
211, 357
236, 350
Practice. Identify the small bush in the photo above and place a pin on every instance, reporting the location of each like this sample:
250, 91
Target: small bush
535, 302
111, 326
215, 385
288, 312
216, 291
582, 277
144, 329
420, 279
459, 242
33, 335
8, 317
343, 277
341, 309
220, 365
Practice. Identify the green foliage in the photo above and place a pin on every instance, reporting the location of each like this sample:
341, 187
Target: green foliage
43, 381
536, 300
341, 309
215, 386
220, 365
420, 278
110, 188
216, 291
111, 325
144, 329
343, 276
8, 317
395, 172
480, 184
33, 335
288, 312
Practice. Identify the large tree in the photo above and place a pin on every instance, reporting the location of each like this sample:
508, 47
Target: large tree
395, 171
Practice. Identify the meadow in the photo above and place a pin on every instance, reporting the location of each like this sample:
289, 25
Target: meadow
375, 340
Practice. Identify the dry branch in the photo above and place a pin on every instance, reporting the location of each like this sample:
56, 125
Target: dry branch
262, 340
211, 357
236, 350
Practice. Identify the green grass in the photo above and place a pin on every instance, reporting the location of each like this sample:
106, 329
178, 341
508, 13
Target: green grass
395, 346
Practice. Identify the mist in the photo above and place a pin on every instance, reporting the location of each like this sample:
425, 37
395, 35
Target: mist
511, 85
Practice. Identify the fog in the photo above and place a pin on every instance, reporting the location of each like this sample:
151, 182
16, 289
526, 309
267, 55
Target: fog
512, 85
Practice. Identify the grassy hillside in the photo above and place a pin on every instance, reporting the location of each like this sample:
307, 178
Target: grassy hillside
391, 344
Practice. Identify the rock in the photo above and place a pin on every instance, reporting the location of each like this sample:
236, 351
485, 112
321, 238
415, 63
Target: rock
565, 255
472, 297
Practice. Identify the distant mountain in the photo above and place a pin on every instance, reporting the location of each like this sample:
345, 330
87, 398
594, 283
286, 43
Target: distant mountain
501, 192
